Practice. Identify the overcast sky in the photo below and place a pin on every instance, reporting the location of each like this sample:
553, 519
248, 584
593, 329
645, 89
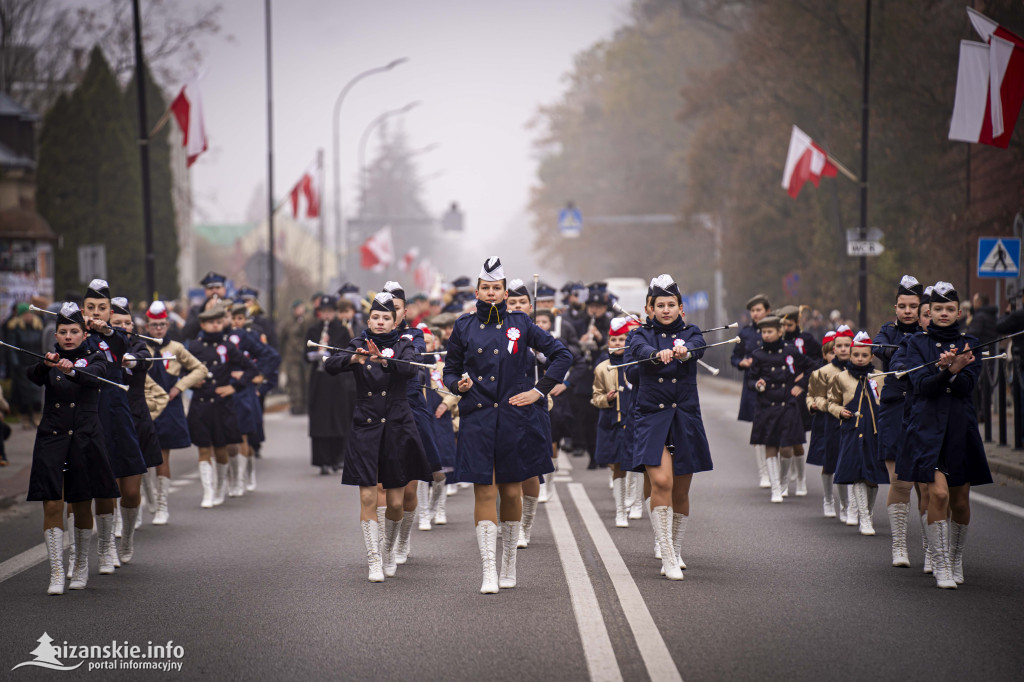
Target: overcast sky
480, 68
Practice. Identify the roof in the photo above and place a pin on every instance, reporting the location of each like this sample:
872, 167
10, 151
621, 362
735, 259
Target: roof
8, 107
224, 234
9, 159
23, 223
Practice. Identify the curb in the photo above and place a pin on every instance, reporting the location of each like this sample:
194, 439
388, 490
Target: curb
1005, 468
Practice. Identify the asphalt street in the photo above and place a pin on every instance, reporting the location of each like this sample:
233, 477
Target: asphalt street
273, 586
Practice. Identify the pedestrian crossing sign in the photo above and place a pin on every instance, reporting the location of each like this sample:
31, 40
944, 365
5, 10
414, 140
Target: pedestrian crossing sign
570, 221
998, 257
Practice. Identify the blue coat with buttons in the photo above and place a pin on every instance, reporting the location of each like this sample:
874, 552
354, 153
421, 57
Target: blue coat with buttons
943, 432
893, 407
421, 412
499, 442
750, 340
123, 447
666, 407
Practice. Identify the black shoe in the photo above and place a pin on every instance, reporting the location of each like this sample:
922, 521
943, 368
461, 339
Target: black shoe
256, 452
336, 468
325, 471
578, 452
592, 465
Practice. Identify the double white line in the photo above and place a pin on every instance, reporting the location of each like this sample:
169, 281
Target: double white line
597, 646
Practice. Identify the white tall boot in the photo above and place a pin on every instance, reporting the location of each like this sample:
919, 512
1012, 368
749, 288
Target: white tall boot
829, 504
629, 494
71, 547
529, 513
390, 540
423, 504
249, 473
220, 488
785, 464
80, 572
105, 542
774, 481
844, 502
679, 523
117, 519
55, 552
236, 482
898, 515
404, 537
509, 544
669, 563
128, 516
654, 527
436, 497
487, 541
938, 547
380, 526
439, 508
924, 543
852, 511
163, 489
864, 508
149, 490
544, 494
619, 493
762, 467
451, 489
371, 538
636, 510
206, 478
801, 475
957, 539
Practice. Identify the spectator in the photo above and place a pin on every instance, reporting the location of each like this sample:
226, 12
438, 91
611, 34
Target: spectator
983, 321
25, 330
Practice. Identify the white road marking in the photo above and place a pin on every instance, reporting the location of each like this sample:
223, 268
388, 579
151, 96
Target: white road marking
191, 475
1011, 509
649, 641
27, 559
597, 646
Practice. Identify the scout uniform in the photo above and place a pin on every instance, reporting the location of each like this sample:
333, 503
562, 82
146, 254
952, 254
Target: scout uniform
817, 397
750, 340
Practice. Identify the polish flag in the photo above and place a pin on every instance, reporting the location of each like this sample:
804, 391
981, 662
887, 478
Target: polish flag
377, 252
308, 187
409, 258
424, 275
989, 85
805, 161
187, 108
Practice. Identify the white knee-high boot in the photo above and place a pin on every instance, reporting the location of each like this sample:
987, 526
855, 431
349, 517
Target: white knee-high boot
852, 511
487, 541
371, 538
509, 545
898, 515
390, 540
404, 537
957, 540
55, 552
938, 547
924, 543
80, 570
619, 493
529, 514
206, 477
774, 478
669, 562
105, 542
844, 503
128, 516
785, 463
829, 504
762, 467
423, 504
636, 510
654, 527
800, 462
863, 508
163, 489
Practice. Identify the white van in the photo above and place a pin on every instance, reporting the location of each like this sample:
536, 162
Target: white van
632, 293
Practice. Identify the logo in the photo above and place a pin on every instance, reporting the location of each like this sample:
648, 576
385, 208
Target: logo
46, 656
114, 656
81, 362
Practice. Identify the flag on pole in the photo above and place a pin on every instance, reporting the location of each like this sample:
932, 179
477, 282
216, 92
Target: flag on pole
989, 85
187, 108
409, 258
424, 275
377, 252
309, 186
805, 161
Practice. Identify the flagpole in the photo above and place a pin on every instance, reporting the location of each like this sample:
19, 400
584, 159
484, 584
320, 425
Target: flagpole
320, 228
842, 169
161, 123
147, 213
271, 303
862, 276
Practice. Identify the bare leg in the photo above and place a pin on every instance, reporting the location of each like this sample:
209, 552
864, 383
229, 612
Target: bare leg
899, 491
531, 486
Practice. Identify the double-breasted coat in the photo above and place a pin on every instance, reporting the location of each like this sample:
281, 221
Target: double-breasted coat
211, 418
750, 340
943, 432
385, 445
777, 420
853, 390
136, 378
331, 398
179, 369
666, 408
69, 458
499, 442
613, 445
123, 449
894, 406
417, 401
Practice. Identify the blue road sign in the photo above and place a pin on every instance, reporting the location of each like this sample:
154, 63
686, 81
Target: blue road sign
998, 257
570, 222
695, 301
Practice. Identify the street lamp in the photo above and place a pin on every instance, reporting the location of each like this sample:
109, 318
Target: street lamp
366, 137
340, 234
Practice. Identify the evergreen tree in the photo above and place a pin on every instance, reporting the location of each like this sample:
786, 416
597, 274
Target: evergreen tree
165, 233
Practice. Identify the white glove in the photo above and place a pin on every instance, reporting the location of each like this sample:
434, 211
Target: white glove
129, 361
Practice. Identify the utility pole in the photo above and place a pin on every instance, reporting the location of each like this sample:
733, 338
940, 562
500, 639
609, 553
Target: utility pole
862, 277
270, 167
147, 211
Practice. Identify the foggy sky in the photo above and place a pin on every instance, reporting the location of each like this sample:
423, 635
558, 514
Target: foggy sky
481, 70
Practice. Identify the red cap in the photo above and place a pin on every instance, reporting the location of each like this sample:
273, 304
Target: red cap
425, 329
157, 311
843, 330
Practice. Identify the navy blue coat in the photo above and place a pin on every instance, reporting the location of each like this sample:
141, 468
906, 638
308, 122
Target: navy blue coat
385, 445
498, 442
614, 444
246, 400
667, 407
421, 412
750, 340
777, 418
145, 430
443, 429
123, 448
943, 431
858, 436
894, 407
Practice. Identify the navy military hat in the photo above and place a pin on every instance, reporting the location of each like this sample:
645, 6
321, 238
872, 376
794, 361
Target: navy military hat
926, 297
663, 285
326, 301
517, 287
909, 286
248, 292
461, 282
545, 291
70, 314
395, 289
348, 288
119, 306
213, 278
98, 288
943, 292
597, 297
383, 301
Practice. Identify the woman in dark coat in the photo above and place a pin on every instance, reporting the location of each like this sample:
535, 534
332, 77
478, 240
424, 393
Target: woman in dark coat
944, 450
331, 398
24, 330
669, 438
385, 446
69, 459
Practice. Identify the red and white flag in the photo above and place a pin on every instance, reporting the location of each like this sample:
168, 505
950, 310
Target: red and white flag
424, 274
805, 161
308, 187
378, 251
409, 258
187, 108
989, 85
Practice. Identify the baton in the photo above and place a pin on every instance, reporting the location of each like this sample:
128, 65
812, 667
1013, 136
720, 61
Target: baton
903, 373
313, 344
123, 387
141, 336
734, 339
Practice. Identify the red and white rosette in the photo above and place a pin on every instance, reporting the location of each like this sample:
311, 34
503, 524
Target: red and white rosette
106, 351
790, 364
222, 351
81, 362
388, 352
874, 389
799, 343
167, 356
513, 335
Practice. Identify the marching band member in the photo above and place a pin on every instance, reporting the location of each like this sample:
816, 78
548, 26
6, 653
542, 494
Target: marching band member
385, 446
853, 398
817, 405
669, 430
750, 339
944, 447
179, 371
69, 460
499, 432
331, 398
809, 346
445, 407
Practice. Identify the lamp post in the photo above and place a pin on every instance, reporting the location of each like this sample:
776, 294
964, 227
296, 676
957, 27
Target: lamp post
340, 233
366, 137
